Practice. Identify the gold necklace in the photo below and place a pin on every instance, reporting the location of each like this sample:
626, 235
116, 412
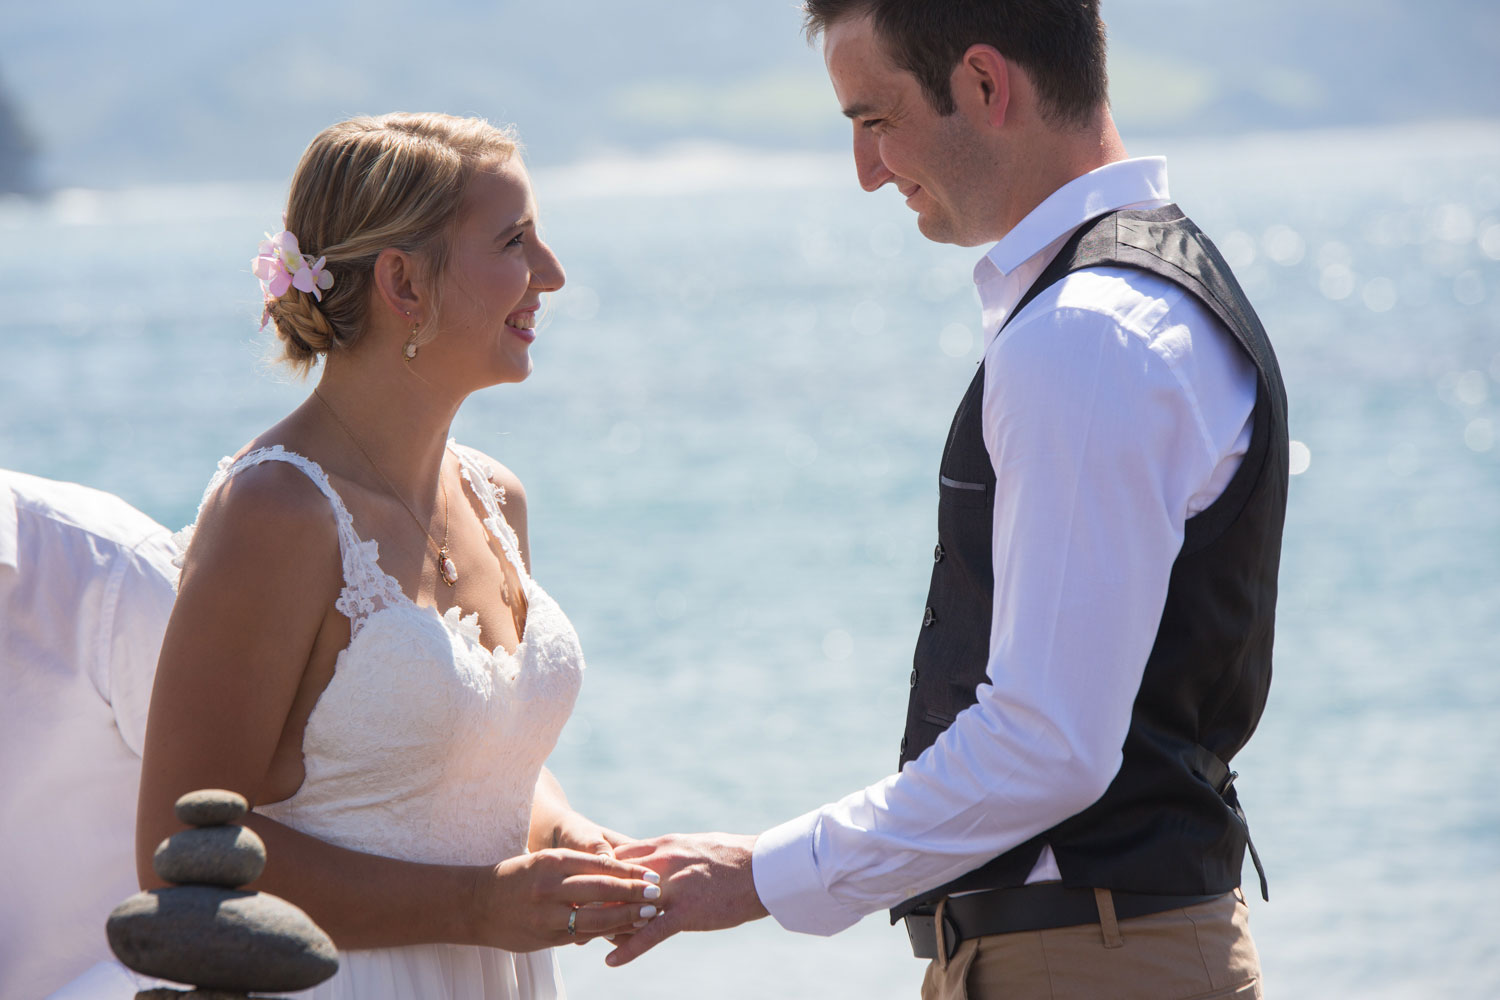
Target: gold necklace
446, 569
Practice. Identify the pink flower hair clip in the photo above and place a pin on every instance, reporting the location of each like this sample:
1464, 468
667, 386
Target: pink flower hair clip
281, 265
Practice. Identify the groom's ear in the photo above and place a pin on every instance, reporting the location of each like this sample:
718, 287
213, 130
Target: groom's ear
981, 86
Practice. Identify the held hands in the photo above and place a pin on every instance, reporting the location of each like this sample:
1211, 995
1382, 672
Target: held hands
579, 833
543, 899
708, 884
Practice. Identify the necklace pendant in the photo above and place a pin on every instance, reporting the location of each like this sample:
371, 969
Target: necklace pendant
449, 571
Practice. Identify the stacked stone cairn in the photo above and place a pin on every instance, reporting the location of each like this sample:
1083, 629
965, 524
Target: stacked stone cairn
206, 930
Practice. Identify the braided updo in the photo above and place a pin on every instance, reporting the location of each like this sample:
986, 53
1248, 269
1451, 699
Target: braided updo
365, 185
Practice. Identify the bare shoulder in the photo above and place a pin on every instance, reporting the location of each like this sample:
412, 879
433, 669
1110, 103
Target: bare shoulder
264, 519
512, 493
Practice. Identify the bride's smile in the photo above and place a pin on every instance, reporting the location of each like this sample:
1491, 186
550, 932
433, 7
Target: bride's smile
498, 269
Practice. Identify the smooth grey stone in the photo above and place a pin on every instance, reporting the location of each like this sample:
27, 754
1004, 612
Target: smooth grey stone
211, 807
229, 856
221, 939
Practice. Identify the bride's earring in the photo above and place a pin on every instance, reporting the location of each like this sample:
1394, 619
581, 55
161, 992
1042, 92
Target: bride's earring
410, 350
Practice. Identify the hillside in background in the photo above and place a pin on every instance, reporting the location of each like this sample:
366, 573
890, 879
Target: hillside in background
165, 90
17, 149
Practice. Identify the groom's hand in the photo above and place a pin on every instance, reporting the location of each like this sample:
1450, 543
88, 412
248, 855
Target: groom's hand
707, 885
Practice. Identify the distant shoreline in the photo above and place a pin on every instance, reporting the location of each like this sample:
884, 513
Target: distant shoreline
683, 168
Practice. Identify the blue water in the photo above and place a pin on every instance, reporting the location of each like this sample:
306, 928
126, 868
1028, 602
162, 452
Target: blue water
729, 445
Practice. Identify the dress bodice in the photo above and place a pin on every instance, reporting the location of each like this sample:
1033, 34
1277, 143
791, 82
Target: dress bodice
426, 745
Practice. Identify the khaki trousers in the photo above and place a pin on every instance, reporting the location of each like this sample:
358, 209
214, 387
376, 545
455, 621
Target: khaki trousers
1202, 952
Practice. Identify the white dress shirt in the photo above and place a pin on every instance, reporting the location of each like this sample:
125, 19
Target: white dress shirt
86, 585
1115, 407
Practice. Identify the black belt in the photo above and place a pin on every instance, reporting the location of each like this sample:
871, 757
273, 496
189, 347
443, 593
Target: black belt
1026, 908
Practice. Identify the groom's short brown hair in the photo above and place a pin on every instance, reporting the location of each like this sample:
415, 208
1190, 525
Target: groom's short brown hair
1060, 44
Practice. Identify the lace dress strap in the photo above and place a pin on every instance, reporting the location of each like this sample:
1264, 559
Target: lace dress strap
366, 586
480, 477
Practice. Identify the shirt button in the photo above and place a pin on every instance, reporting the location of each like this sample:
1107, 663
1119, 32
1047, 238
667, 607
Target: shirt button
938, 553
914, 677
928, 618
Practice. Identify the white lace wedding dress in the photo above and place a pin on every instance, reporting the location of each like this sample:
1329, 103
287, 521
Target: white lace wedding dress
426, 746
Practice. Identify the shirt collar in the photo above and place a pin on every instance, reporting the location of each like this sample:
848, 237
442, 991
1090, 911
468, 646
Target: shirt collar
8, 529
1108, 189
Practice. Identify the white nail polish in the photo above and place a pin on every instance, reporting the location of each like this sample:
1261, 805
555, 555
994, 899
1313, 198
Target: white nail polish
652, 877
640, 923
648, 911
652, 892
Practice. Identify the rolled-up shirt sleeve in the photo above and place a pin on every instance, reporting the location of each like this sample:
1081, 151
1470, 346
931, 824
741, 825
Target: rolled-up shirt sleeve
1099, 446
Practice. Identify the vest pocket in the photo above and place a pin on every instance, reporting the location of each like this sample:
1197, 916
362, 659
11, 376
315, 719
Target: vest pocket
959, 493
940, 719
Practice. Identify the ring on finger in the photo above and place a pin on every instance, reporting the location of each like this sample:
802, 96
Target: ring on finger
573, 921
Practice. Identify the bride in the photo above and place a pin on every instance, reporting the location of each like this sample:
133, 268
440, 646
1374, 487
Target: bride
357, 645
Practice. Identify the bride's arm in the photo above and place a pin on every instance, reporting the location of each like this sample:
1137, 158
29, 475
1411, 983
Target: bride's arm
263, 568
554, 823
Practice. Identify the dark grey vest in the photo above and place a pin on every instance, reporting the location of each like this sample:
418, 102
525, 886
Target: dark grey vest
1170, 821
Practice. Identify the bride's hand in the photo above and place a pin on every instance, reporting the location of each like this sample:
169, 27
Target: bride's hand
554, 823
579, 833
525, 903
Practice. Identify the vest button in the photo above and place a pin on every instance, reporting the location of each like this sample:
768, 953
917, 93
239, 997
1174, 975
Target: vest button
928, 618
914, 677
938, 553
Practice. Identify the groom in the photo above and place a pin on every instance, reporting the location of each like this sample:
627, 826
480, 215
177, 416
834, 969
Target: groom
1096, 642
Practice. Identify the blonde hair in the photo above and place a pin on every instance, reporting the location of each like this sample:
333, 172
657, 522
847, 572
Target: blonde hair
365, 185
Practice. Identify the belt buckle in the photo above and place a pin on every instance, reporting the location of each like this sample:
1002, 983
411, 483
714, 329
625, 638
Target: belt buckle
921, 930
919, 933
